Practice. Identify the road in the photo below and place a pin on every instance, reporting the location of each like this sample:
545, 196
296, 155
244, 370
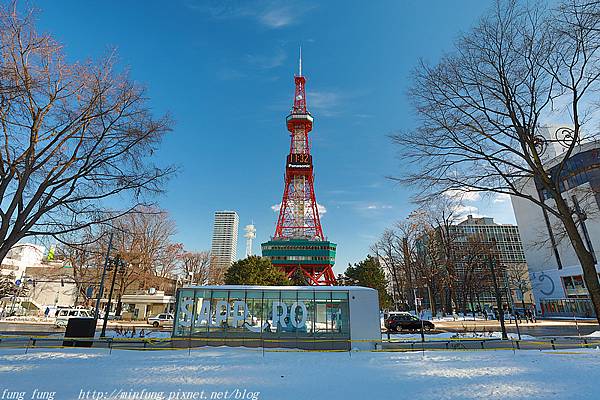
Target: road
542, 328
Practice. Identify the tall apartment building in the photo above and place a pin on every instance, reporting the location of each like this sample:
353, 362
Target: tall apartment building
224, 244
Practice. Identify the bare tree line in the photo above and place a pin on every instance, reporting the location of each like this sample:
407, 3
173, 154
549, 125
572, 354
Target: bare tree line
425, 256
144, 240
481, 106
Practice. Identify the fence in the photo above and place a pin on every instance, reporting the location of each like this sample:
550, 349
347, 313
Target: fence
567, 308
28, 342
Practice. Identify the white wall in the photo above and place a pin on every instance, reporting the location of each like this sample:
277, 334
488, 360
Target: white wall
534, 233
364, 318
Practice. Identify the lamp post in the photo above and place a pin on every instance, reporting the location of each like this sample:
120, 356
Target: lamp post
119, 267
491, 263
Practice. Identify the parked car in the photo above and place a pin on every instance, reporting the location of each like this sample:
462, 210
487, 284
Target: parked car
64, 314
111, 316
161, 320
388, 314
408, 322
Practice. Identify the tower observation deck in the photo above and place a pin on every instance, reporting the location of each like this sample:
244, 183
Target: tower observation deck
299, 246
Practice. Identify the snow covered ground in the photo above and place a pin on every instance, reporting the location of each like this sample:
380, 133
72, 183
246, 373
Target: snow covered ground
238, 373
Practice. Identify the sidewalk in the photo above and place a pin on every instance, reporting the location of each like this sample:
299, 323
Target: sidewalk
480, 323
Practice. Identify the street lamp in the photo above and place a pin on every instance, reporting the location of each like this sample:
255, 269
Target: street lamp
119, 267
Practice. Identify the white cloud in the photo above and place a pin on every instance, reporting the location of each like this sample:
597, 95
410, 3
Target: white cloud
268, 13
501, 198
463, 194
378, 207
462, 211
320, 208
325, 103
277, 17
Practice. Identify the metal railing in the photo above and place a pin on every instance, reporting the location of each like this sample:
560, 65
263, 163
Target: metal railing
266, 345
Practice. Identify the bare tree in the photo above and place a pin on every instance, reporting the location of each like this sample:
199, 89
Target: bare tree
517, 278
389, 254
73, 135
195, 265
480, 110
86, 259
441, 214
143, 238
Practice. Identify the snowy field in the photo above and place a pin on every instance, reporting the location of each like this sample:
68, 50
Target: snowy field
247, 373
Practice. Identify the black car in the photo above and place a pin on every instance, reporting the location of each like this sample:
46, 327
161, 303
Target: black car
407, 322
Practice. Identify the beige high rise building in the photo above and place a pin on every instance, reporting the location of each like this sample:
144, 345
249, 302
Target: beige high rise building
224, 244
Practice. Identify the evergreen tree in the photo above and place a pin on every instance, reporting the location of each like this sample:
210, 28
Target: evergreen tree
298, 279
369, 273
255, 270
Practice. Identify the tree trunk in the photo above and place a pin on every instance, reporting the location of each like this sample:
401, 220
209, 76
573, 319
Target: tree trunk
472, 304
432, 301
585, 257
5, 247
443, 301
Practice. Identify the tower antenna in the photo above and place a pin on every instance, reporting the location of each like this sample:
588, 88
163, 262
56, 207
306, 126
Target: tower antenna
300, 63
249, 235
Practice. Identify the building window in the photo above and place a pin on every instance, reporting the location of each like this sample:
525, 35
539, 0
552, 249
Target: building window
574, 286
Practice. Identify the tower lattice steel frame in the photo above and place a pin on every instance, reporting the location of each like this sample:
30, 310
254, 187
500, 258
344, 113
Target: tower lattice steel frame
299, 243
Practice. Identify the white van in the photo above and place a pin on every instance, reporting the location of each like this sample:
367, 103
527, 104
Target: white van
64, 314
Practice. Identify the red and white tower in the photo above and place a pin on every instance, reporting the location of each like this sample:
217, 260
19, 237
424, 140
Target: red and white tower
299, 243
299, 215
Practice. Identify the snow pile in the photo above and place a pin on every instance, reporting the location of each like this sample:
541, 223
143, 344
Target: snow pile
252, 374
455, 335
28, 318
133, 333
594, 334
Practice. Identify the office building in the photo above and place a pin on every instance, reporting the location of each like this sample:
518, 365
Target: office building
224, 244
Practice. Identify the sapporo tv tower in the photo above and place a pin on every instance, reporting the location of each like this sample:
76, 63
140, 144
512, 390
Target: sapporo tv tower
299, 246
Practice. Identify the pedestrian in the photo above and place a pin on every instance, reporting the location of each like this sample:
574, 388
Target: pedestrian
485, 314
46, 312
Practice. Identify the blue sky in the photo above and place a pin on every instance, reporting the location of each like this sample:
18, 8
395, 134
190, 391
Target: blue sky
224, 71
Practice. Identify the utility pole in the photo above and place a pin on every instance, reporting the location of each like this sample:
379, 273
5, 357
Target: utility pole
417, 315
118, 265
101, 289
